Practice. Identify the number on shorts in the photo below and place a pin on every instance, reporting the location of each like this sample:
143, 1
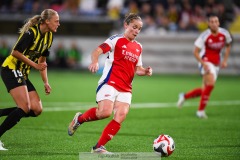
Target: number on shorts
17, 73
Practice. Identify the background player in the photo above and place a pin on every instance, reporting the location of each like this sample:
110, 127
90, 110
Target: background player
208, 48
114, 92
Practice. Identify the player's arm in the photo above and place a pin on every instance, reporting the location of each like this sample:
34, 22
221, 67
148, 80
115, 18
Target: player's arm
94, 66
141, 71
226, 55
44, 76
199, 59
197, 55
24, 42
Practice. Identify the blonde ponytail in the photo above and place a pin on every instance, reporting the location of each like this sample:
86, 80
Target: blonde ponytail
46, 14
30, 22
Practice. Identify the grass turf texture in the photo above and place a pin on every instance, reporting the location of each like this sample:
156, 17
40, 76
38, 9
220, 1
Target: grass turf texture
45, 137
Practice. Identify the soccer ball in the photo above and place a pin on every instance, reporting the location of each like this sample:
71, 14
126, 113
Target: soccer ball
163, 145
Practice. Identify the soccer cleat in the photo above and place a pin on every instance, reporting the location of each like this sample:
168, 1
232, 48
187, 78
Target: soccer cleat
181, 100
74, 124
201, 114
100, 150
1, 147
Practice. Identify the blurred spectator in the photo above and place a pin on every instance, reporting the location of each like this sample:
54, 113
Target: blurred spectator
150, 26
89, 7
186, 18
130, 7
4, 51
114, 9
199, 18
74, 56
61, 56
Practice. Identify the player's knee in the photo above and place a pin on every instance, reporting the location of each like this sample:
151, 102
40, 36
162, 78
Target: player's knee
25, 106
121, 116
104, 114
38, 112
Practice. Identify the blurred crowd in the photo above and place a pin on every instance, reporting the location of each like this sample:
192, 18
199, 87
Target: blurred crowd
165, 15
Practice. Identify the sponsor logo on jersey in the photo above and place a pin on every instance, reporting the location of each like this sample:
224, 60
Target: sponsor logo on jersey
124, 46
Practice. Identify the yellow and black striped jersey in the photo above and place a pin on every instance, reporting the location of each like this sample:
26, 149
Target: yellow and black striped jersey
31, 44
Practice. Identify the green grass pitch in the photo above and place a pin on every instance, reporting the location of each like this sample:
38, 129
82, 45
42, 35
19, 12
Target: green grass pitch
153, 112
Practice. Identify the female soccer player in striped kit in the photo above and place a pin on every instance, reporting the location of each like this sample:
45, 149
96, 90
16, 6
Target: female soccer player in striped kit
30, 51
114, 92
208, 48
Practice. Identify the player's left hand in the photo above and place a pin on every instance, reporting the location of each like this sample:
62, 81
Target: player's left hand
224, 64
47, 88
148, 71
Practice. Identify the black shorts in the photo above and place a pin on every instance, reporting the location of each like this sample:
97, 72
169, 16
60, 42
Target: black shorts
14, 78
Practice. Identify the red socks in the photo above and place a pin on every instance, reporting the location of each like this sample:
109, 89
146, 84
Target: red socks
89, 115
194, 93
205, 96
110, 130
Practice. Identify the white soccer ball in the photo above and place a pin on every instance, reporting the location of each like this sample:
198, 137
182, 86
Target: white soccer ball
164, 145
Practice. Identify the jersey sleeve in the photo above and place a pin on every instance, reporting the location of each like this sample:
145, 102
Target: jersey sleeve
139, 61
46, 53
25, 41
199, 42
228, 37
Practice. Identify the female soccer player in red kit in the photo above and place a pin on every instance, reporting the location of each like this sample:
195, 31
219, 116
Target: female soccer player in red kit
208, 48
114, 92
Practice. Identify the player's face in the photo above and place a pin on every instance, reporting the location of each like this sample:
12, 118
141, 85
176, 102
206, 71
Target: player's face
132, 29
213, 24
53, 23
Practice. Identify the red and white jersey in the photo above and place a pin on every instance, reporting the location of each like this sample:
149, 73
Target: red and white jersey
123, 57
212, 45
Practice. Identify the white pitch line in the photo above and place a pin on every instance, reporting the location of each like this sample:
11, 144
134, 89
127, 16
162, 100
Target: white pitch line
83, 106
75, 106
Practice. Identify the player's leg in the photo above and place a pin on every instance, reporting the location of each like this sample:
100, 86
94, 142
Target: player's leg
35, 101
209, 79
188, 95
36, 104
6, 111
104, 109
21, 98
121, 109
16, 86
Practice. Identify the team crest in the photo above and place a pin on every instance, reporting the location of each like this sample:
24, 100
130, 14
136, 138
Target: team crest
19, 80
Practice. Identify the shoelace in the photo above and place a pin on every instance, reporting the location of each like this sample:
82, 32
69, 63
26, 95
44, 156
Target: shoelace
76, 125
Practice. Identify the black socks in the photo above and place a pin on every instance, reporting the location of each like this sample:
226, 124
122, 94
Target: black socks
6, 111
12, 119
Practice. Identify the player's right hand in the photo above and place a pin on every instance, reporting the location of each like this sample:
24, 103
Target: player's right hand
41, 66
93, 67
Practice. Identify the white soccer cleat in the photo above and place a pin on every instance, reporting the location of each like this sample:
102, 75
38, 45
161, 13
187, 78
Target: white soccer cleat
100, 150
1, 147
181, 100
201, 114
74, 124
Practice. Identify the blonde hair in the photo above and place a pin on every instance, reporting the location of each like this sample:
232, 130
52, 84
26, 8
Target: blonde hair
46, 14
131, 16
